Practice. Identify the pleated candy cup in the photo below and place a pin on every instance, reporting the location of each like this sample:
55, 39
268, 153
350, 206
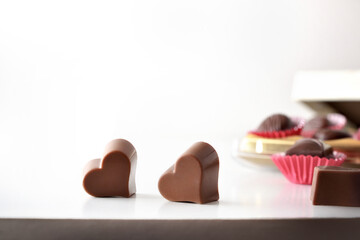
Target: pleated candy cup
299, 169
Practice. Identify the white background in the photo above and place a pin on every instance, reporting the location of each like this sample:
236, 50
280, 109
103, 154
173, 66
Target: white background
164, 67
76, 74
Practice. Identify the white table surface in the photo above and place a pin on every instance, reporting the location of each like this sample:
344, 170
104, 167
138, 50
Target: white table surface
37, 185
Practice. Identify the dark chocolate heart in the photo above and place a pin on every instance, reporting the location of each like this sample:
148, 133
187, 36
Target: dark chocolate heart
114, 174
309, 146
194, 176
276, 122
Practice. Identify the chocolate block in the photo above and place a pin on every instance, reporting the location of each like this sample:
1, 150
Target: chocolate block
114, 174
275, 122
194, 176
336, 186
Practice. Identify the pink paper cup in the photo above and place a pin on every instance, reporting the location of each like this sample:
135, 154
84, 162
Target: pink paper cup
299, 169
357, 135
337, 120
299, 124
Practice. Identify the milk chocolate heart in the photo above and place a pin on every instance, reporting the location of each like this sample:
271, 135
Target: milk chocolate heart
114, 174
194, 176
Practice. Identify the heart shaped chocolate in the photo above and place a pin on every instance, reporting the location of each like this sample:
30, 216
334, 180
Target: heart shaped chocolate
114, 174
194, 176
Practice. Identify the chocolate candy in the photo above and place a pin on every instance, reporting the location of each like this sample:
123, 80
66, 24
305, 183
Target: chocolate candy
114, 174
316, 123
312, 147
276, 122
194, 176
336, 186
329, 134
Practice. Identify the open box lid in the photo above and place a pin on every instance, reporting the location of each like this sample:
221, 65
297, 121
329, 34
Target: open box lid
330, 91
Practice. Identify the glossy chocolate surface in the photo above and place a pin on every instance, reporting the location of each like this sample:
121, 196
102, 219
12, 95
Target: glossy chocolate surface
312, 147
336, 186
316, 123
276, 122
329, 134
114, 174
194, 176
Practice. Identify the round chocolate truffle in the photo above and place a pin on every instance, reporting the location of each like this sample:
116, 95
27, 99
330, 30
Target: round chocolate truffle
275, 122
329, 134
312, 147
